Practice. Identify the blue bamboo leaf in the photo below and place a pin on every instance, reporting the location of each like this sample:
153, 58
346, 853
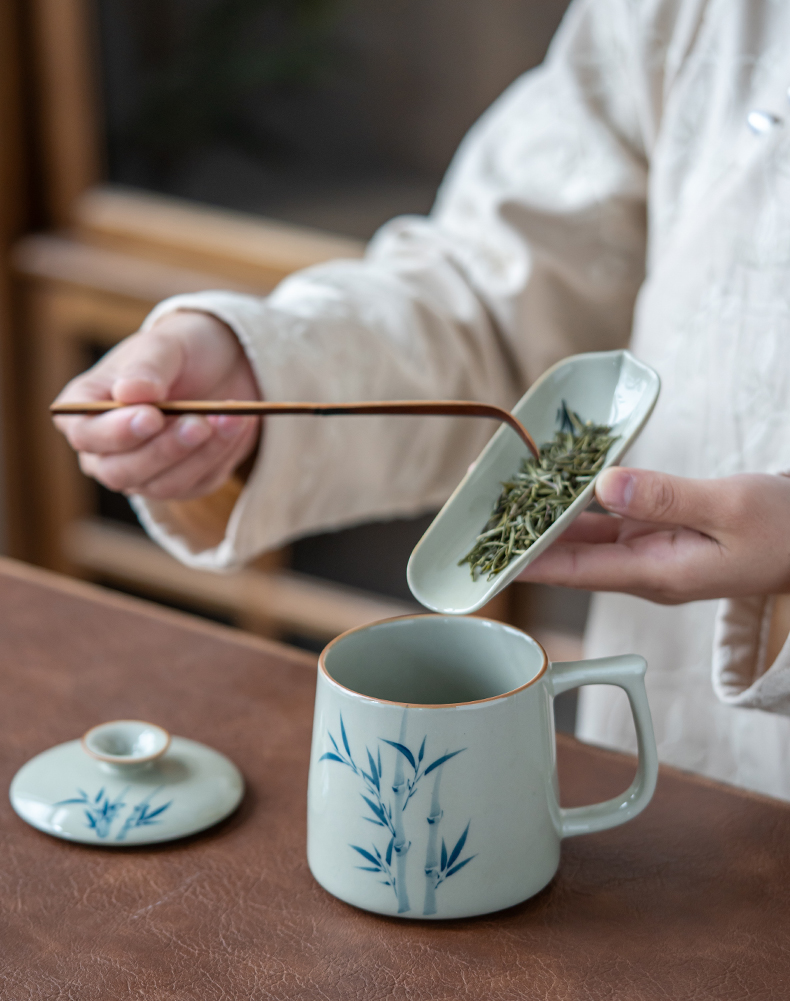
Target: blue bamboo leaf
152, 814
345, 739
374, 808
82, 793
459, 866
422, 749
373, 770
403, 750
334, 743
373, 870
365, 854
444, 758
458, 846
91, 819
375, 821
331, 757
74, 800
366, 776
99, 795
389, 852
444, 856
379, 762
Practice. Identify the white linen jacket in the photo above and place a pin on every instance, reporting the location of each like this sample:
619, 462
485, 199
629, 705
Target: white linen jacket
619, 194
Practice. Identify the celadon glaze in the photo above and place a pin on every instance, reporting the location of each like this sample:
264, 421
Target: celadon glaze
433, 785
612, 388
126, 783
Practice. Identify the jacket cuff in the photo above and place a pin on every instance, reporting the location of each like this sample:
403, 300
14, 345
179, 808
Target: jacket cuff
740, 677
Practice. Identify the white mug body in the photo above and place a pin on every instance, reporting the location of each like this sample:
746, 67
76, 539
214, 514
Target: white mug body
433, 786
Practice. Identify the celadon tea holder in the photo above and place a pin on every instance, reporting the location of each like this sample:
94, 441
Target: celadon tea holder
433, 787
126, 783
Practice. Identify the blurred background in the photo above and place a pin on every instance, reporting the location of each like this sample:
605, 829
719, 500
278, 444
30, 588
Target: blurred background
337, 114
153, 147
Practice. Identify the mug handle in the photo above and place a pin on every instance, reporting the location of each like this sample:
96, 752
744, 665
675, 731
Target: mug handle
628, 672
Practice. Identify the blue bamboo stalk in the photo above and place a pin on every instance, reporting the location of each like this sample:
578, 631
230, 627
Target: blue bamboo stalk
401, 845
432, 854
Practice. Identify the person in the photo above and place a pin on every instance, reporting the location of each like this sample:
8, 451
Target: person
634, 189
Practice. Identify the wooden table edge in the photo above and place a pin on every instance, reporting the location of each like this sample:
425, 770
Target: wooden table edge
152, 610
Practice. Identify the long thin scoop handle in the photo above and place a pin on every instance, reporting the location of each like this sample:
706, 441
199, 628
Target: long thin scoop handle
411, 407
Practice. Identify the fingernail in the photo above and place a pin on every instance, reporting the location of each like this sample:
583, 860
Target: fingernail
145, 423
191, 431
615, 489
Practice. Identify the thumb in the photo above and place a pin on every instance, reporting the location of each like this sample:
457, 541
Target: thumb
658, 497
147, 369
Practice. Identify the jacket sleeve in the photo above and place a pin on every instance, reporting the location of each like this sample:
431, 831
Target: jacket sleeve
535, 249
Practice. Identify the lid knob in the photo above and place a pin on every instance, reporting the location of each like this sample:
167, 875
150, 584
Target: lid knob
120, 743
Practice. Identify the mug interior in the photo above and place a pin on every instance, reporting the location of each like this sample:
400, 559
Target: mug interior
434, 660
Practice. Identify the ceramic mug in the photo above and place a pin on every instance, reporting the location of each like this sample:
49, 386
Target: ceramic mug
433, 782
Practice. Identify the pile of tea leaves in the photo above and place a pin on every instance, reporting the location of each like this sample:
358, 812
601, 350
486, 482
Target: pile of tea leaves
535, 497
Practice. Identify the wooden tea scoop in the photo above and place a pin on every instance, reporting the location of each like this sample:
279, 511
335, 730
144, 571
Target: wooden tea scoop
408, 407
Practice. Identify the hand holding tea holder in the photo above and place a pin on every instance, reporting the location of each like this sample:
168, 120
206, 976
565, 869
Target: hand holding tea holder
433, 785
612, 388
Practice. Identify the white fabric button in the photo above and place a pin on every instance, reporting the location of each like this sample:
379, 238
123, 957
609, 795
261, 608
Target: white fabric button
763, 122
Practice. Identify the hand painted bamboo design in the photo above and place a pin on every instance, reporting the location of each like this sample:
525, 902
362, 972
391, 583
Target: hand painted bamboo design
435, 814
402, 844
448, 863
389, 815
101, 811
374, 800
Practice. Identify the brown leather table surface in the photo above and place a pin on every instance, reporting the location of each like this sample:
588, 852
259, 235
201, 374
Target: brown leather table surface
689, 901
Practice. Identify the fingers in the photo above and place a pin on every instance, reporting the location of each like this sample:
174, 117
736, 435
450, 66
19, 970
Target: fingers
206, 468
678, 540
163, 458
593, 528
141, 369
124, 471
121, 430
145, 368
668, 567
187, 355
148, 369
558, 562
658, 497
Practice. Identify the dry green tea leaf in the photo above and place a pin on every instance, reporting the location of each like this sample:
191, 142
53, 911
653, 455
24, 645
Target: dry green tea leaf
543, 489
